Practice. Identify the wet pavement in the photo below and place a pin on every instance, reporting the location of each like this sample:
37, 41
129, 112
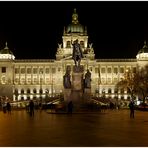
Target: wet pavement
112, 128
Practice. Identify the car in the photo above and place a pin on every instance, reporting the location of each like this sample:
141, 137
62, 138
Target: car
142, 107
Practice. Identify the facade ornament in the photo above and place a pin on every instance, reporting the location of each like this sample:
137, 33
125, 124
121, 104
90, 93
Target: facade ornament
6, 45
60, 45
145, 46
90, 45
75, 17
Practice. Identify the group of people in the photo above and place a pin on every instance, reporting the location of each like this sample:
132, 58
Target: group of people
6, 107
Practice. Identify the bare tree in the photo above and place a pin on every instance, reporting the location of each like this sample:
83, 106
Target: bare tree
128, 83
135, 82
142, 82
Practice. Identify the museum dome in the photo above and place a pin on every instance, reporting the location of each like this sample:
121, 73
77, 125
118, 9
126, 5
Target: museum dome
6, 53
75, 26
143, 53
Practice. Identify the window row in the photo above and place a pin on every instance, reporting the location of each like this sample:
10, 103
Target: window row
114, 70
28, 91
36, 70
116, 91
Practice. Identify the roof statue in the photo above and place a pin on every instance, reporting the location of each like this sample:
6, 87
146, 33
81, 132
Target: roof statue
75, 17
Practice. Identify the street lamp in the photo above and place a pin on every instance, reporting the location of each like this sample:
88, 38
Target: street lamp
41, 91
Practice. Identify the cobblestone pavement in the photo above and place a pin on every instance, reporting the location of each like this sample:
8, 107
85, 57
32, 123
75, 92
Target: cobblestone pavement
112, 128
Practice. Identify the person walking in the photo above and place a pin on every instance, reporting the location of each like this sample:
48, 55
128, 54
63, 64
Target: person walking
70, 107
131, 106
8, 107
31, 108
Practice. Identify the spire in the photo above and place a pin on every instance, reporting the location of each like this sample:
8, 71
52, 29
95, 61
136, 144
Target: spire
75, 17
145, 46
6, 47
64, 30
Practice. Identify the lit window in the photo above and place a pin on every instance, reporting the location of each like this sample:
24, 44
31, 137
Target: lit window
29, 70
16, 70
115, 70
47, 70
22, 70
102, 70
35, 70
109, 70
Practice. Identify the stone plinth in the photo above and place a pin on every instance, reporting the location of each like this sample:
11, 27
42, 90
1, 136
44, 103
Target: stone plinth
77, 78
67, 95
87, 93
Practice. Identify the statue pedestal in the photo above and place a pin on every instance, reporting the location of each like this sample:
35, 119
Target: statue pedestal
77, 83
67, 95
87, 93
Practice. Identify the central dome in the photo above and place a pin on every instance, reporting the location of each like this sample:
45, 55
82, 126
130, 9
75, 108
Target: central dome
75, 26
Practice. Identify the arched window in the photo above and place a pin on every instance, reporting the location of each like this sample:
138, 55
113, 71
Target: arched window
41, 91
28, 91
109, 91
22, 91
34, 90
122, 90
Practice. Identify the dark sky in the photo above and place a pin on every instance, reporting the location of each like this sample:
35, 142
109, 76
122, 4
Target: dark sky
33, 29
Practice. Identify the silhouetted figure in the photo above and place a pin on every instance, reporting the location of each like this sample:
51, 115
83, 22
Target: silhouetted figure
4, 107
70, 107
87, 80
31, 107
66, 79
77, 53
131, 106
8, 107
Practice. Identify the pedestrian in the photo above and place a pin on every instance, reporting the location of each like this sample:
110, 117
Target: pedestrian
8, 107
31, 108
4, 107
131, 106
70, 107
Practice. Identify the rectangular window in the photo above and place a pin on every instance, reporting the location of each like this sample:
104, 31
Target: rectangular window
29, 70
47, 70
3, 69
22, 70
35, 70
59, 69
17, 70
109, 70
53, 70
121, 70
134, 70
115, 70
96, 70
102, 70
41, 70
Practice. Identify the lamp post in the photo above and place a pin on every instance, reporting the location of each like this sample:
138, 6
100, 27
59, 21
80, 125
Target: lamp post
41, 91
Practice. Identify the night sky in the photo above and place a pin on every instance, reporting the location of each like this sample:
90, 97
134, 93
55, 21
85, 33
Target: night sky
34, 29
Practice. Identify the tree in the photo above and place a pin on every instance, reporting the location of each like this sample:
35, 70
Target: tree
128, 83
142, 83
135, 82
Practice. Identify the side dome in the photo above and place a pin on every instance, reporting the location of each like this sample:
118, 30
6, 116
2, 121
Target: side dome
6, 53
143, 53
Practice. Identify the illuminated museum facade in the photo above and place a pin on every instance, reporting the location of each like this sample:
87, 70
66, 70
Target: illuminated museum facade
37, 78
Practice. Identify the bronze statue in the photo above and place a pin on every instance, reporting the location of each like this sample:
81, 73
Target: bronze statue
77, 53
66, 79
87, 80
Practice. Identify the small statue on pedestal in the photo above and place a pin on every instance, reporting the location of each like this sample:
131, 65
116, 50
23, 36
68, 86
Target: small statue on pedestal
87, 80
66, 79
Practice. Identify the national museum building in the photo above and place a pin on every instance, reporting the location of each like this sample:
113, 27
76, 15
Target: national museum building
36, 78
